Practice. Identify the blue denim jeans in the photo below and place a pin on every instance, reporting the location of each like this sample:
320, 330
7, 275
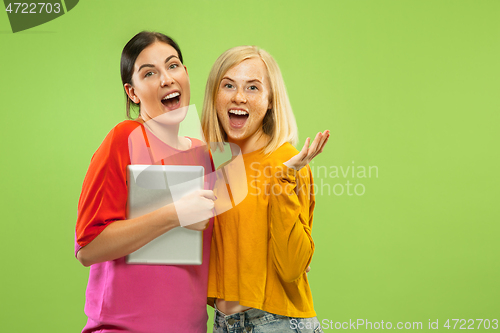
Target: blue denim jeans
258, 321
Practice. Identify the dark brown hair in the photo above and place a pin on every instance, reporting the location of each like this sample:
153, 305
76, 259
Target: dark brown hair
132, 50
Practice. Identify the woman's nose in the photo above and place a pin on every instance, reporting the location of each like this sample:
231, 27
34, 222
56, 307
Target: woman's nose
239, 97
166, 80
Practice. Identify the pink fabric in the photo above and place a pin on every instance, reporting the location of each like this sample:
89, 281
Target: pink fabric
138, 298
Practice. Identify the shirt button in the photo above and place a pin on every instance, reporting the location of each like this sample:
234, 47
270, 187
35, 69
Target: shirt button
230, 321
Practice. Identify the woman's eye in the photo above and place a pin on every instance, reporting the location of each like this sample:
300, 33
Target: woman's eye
148, 74
228, 85
172, 66
253, 88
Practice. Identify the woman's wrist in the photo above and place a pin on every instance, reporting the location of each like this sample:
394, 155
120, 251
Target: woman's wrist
169, 217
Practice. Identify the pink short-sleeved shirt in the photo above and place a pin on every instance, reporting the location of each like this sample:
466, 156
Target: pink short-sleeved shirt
138, 298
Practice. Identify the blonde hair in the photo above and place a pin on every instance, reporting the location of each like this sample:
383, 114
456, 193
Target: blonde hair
279, 122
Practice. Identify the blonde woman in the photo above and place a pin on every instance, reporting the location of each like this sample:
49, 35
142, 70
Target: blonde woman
262, 248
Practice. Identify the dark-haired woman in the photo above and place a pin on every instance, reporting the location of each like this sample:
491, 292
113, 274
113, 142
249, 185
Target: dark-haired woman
143, 298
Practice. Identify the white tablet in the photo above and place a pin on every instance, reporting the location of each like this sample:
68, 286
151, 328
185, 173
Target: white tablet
152, 186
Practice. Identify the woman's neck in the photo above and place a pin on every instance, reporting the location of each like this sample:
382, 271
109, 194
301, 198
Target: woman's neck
168, 134
249, 145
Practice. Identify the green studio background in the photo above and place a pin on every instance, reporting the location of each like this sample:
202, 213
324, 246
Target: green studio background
408, 88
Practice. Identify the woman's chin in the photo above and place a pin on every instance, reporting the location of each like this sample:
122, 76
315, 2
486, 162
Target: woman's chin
170, 118
234, 136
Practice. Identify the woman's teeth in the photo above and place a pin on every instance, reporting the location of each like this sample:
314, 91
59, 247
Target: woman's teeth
238, 112
172, 95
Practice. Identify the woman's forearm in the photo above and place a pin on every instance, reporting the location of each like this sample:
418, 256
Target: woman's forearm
291, 213
291, 244
121, 238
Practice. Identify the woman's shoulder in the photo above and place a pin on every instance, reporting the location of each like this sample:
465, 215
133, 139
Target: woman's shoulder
116, 141
285, 152
121, 132
125, 128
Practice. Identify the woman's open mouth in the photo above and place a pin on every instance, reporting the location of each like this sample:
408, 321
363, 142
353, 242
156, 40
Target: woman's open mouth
237, 118
171, 101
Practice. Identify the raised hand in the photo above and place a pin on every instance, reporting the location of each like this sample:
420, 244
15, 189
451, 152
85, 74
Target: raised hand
308, 153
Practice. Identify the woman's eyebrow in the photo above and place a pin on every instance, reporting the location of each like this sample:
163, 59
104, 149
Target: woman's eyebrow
145, 65
249, 81
170, 57
150, 65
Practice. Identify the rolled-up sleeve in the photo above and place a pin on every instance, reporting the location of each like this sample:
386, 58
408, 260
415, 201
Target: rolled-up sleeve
291, 214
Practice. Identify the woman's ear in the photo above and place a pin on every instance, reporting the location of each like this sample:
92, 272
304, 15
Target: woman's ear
131, 93
186, 70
